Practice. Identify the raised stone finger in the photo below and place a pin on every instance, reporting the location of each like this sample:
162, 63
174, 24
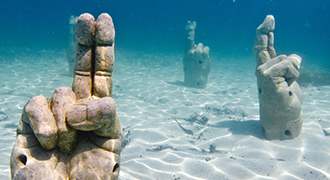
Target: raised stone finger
104, 56
270, 47
190, 30
264, 43
83, 72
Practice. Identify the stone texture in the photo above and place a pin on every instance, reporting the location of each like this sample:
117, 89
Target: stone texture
104, 56
105, 30
85, 29
100, 56
62, 99
196, 60
264, 43
30, 161
102, 85
82, 84
83, 58
92, 114
280, 97
99, 163
77, 134
104, 60
37, 114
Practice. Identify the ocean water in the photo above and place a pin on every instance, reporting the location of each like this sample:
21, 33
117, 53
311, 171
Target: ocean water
228, 27
150, 37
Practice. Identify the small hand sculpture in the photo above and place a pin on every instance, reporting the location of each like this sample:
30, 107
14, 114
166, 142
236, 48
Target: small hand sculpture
76, 135
196, 60
280, 97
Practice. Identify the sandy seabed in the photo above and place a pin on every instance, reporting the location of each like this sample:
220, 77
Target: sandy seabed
175, 132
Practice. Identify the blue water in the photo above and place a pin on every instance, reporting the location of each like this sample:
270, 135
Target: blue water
158, 27
226, 26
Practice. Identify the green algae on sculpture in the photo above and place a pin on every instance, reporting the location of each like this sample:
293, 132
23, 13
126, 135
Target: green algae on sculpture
196, 60
280, 97
76, 135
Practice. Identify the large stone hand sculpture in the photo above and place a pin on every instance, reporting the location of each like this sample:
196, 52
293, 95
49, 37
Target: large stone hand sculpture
280, 97
76, 135
196, 60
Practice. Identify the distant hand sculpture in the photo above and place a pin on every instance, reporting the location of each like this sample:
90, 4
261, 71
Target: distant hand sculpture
76, 135
196, 60
280, 97
70, 50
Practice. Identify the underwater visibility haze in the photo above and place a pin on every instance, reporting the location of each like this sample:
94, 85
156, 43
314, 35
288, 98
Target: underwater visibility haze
172, 131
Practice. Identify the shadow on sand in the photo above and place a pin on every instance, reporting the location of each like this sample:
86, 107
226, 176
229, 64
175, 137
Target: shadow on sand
246, 128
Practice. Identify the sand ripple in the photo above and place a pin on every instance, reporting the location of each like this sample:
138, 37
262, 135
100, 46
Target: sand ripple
175, 132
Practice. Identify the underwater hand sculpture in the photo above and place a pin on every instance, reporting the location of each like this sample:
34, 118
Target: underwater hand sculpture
280, 97
70, 50
76, 135
196, 60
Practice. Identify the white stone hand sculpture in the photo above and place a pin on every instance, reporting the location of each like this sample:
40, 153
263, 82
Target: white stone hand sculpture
196, 60
280, 97
76, 135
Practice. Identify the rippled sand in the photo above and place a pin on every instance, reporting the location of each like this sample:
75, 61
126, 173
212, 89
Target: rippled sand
175, 132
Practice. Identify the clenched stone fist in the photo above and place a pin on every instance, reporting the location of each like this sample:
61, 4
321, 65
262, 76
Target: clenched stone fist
280, 97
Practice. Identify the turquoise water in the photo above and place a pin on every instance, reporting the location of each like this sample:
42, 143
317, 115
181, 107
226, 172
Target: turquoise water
152, 33
226, 26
